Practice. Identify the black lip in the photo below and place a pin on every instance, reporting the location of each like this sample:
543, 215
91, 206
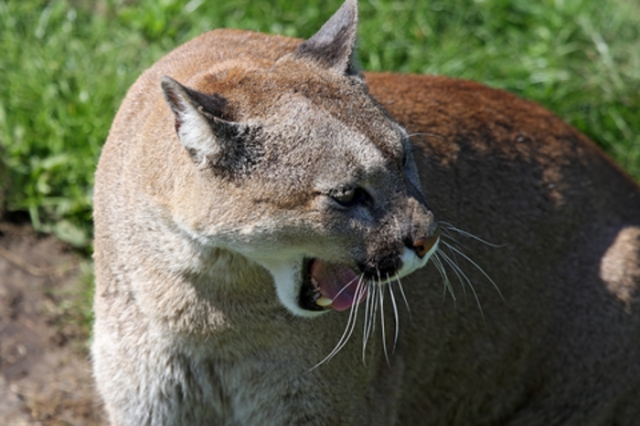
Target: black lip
308, 294
380, 267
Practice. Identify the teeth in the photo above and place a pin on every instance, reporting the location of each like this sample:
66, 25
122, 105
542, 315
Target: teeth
324, 301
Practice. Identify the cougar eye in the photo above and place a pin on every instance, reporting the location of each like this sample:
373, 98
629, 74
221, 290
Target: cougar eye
349, 197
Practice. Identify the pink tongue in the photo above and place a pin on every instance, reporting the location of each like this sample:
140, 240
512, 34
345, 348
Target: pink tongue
337, 283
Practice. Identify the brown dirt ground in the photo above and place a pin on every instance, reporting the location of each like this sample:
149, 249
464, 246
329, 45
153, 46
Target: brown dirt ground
45, 375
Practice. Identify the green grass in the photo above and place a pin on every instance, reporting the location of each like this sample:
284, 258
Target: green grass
65, 66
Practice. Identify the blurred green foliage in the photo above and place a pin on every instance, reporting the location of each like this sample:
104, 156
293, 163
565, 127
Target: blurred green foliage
65, 65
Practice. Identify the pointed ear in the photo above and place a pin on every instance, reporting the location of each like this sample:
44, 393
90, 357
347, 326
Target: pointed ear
333, 46
230, 148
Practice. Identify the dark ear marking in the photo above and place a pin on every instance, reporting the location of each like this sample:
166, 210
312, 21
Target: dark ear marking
202, 123
213, 105
334, 44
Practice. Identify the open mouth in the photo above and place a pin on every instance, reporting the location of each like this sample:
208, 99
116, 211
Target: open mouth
330, 286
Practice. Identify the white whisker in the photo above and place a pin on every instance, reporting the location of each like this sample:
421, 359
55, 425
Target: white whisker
425, 134
366, 328
447, 225
446, 233
438, 264
406, 302
445, 277
374, 314
468, 259
451, 260
348, 330
395, 316
462, 277
384, 335
347, 285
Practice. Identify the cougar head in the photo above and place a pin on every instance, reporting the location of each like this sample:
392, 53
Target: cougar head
301, 171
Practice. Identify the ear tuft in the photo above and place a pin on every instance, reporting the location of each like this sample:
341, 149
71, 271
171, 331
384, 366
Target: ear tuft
334, 45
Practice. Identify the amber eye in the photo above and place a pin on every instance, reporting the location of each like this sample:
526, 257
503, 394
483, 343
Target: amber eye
350, 197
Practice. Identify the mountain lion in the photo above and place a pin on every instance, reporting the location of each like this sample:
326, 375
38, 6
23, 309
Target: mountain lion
262, 235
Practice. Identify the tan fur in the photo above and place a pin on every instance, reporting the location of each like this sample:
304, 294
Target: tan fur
193, 327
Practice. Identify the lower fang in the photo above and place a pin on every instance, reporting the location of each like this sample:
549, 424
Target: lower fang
324, 301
